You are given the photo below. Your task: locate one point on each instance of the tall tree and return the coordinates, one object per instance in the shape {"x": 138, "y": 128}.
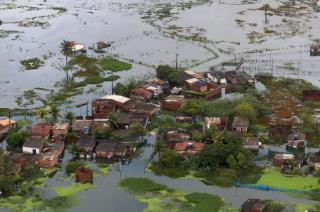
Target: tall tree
{"x": 7, "y": 167}
{"x": 69, "y": 116}
{"x": 54, "y": 112}
{"x": 113, "y": 121}
{"x": 43, "y": 114}
{"x": 167, "y": 73}
{"x": 67, "y": 52}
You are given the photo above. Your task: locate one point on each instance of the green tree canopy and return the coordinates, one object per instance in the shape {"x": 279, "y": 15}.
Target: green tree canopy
{"x": 167, "y": 73}
{"x": 246, "y": 110}
{"x": 169, "y": 158}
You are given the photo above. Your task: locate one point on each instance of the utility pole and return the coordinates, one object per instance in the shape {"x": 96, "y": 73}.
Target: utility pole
{"x": 177, "y": 56}
{"x": 9, "y": 116}
{"x": 266, "y": 13}
{"x": 87, "y": 108}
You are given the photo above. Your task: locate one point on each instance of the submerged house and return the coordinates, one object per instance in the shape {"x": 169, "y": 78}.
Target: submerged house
{"x": 102, "y": 107}
{"x": 297, "y": 140}
{"x": 137, "y": 106}
{"x": 240, "y": 125}
{"x": 59, "y": 131}
{"x": 314, "y": 161}
{"x": 280, "y": 159}
{"x": 83, "y": 175}
{"x": 188, "y": 147}
{"x": 315, "y": 49}
{"x": 87, "y": 143}
{"x": 42, "y": 129}
{"x": 145, "y": 93}
{"x": 77, "y": 47}
{"x": 177, "y": 134}
{"x": 196, "y": 85}
{"x": 126, "y": 119}
{"x": 252, "y": 143}
{"x": 254, "y": 205}
{"x": 182, "y": 117}
{"x": 106, "y": 148}
{"x": 220, "y": 123}
{"x": 82, "y": 126}
{"x": 33, "y": 145}
{"x": 311, "y": 95}
{"x": 172, "y": 102}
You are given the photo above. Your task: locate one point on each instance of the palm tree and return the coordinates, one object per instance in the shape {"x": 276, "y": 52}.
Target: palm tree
{"x": 70, "y": 117}
{"x": 67, "y": 52}
{"x": 158, "y": 149}
{"x": 113, "y": 121}
{"x": 218, "y": 137}
{"x": 54, "y": 112}
{"x": 43, "y": 114}
{"x": 137, "y": 130}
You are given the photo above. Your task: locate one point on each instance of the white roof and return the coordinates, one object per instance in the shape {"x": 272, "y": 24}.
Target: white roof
{"x": 77, "y": 47}
{"x": 192, "y": 80}
{"x": 116, "y": 98}
{"x": 60, "y": 126}
{"x": 151, "y": 88}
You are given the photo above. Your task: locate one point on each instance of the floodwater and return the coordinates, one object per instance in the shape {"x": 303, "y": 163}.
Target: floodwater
{"x": 107, "y": 196}
{"x": 146, "y": 42}
{"x": 149, "y": 41}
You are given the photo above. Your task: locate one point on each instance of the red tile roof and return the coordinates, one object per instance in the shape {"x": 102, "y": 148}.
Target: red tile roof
{"x": 195, "y": 146}
{"x": 41, "y": 129}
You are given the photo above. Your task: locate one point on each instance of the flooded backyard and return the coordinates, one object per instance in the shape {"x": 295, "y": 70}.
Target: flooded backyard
{"x": 197, "y": 34}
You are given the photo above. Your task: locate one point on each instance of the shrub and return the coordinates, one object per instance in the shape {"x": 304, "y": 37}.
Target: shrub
{"x": 73, "y": 165}
{"x": 141, "y": 185}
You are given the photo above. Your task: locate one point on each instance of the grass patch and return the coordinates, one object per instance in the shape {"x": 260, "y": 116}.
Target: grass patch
{"x": 224, "y": 178}
{"x": 72, "y": 189}
{"x": 105, "y": 168}
{"x": 161, "y": 198}
{"x": 273, "y": 177}
{"x": 20, "y": 203}
{"x": 33, "y": 63}
{"x": 61, "y": 203}
{"x": 167, "y": 171}
{"x": 114, "y": 65}
{"x": 141, "y": 185}
{"x": 203, "y": 202}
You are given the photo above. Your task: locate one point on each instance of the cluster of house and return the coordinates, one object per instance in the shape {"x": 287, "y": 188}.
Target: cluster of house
{"x": 45, "y": 145}
{"x": 77, "y": 47}
{"x": 288, "y": 161}
{"x": 212, "y": 84}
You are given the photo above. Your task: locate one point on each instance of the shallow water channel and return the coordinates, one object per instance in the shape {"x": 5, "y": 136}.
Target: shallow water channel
{"x": 106, "y": 196}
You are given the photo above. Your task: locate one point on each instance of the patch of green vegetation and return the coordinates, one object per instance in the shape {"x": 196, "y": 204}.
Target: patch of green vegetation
{"x": 61, "y": 203}
{"x": 24, "y": 122}
{"x": 273, "y": 177}
{"x": 72, "y": 189}
{"x": 141, "y": 185}
{"x": 161, "y": 198}
{"x": 105, "y": 168}
{"x": 172, "y": 172}
{"x": 73, "y": 165}
{"x": 33, "y": 63}
{"x": 199, "y": 202}
{"x": 224, "y": 178}
{"x": 114, "y": 65}
{"x": 20, "y": 203}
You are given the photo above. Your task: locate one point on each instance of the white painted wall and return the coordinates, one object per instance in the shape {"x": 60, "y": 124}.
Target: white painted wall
{"x": 28, "y": 150}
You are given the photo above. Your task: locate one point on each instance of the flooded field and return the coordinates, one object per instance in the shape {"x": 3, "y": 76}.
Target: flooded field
{"x": 199, "y": 34}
